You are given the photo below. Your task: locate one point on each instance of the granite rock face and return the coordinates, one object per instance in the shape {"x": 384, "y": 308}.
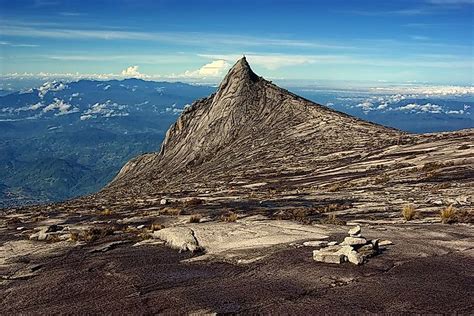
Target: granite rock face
{"x": 248, "y": 124}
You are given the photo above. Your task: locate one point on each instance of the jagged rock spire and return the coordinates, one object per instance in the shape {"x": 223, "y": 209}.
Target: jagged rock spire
{"x": 238, "y": 77}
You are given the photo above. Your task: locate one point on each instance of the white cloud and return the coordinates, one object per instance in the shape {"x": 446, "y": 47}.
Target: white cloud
{"x": 106, "y": 109}
{"x": 427, "y": 108}
{"x": 38, "y": 30}
{"x": 36, "y": 106}
{"x": 455, "y": 112}
{"x": 215, "y": 68}
{"x": 50, "y": 86}
{"x": 366, "y": 106}
{"x": 62, "y": 107}
{"x": 133, "y": 72}
{"x": 417, "y": 91}
{"x": 17, "y": 45}
{"x": 419, "y": 38}
{"x": 271, "y": 61}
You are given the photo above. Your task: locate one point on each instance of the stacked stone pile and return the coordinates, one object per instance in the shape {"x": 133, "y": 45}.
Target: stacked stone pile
{"x": 355, "y": 249}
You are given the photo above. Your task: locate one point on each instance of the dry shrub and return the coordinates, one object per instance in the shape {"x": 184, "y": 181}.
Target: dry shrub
{"x": 229, "y": 217}
{"x": 333, "y": 220}
{"x": 39, "y": 218}
{"x": 409, "y": 212}
{"x": 301, "y": 214}
{"x": 382, "y": 179}
{"x": 171, "y": 211}
{"x": 144, "y": 235}
{"x": 193, "y": 202}
{"x": 432, "y": 174}
{"x": 91, "y": 234}
{"x": 435, "y": 188}
{"x": 54, "y": 238}
{"x": 431, "y": 166}
{"x": 333, "y": 207}
{"x": 448, "y": 215}
{"x": 336, "y": 187}
{"x": 157, "y": 226}
{"x": 196, "y": 218}
{"x": 106, "y": 212}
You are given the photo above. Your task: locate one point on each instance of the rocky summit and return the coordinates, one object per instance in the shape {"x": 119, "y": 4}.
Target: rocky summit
{"x": 254, "y": 195}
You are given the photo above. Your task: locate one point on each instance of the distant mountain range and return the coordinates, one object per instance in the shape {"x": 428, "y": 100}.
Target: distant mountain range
{"x": 65, "y": 139}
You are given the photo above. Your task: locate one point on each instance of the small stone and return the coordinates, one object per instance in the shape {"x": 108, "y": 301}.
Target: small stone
{"x": 42, "y": 236}
{"x": 355, "y": 258}
{"x": 315, "y": 243}
{"x": 328, "y": 257}
{"x": 20, "y": 228}
{"x": 345, "y": 250}
{"x": 353, "y": 241}
{"x": 367, "y": 247}
{"x": 355, "y": 230}
{"x": 332, "y": 243}
{"x": 140, "y": 226}
{"x": 163, "y": 201}
{"x": 385, "y": 243}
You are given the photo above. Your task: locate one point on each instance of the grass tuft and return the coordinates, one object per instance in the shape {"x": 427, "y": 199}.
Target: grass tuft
{"x": 229, "y": 217}
{"x": 196, "y": 218}
{"x": 156, "y": 226}
{"x": 171, "y": 211}
{"x": 332, "y": 220}
{"x": 193, "y": 202}
{"x": 106, "y": 212}
{"x": 448, "y": 215}
{"x": 409, "y": 212}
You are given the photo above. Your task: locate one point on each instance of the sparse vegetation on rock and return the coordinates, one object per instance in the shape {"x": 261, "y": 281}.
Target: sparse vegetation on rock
{"x": 172, "y": 211}
{"x": 409, "y": 212}
{"x": 448, "y": 215}
{"x": 332, "y": 219}
{"x": 229, "y": 217}
{"x": 196, "y": 218}
{"x": 193, "y": 202}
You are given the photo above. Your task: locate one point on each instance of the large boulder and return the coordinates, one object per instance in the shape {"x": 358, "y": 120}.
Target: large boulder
{"x": 181, "y": 238}
{"x": 328, "y": 256}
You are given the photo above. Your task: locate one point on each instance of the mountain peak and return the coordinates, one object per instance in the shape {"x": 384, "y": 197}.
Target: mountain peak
{"x": 248, "y": 124}
{"x": 239, "y": 78}
{"x": 241, "y": 65}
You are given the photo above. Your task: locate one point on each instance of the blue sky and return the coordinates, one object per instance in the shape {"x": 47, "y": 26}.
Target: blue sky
{"x": 374, "y": 40}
